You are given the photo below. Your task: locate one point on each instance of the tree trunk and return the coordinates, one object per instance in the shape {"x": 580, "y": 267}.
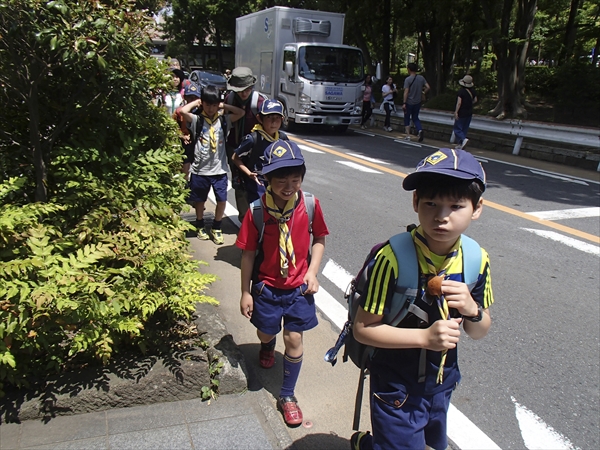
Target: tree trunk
{"x": 39, "y": 161}
{"x": 570, "y": 32}
{"x": 219, "y": 50}
{"x": 511, "y": 54}
{"x": 387, "y": 21}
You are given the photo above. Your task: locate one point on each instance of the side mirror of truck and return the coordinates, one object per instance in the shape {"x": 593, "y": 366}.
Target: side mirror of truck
{"x": 289, "y": 69}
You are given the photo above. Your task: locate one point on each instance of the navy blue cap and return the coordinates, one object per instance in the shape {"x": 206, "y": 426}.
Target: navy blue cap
{"x": 191, "y": 89}
{"x": 281, "y": 154}
{"x": 271, "y": 107}
{"x": 451, "y": 162}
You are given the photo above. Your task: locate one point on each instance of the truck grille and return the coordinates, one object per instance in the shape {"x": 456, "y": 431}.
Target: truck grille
{"x": 331, "y": 107}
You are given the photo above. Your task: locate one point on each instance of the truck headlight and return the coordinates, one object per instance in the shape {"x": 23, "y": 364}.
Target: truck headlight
{"x": 304, "y": 103}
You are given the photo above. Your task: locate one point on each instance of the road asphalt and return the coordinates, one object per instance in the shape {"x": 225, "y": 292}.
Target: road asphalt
{"x": 249, "y": 420}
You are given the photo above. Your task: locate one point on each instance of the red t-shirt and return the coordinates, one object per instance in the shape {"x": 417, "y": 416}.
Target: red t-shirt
{"x": 269, "y": 270}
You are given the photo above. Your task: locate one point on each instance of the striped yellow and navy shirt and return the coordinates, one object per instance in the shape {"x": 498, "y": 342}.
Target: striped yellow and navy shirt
{"x": 404, "y": 363}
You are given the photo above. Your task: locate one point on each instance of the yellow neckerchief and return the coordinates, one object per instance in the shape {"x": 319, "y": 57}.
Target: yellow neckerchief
{"x": 211, "y": 130}
{"x": 421, "y": 244}
{"x": 258, "y": 127}
{"x": 286, "y": 247}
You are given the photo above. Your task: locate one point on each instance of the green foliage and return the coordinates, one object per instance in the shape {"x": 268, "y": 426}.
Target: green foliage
{"x": 88, "y": 272}
{"x": 214, "y": 369}
{"x": 540, "y": 80}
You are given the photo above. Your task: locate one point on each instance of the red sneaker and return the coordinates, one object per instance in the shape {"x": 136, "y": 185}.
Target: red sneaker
{"x": 266, "y": 358}
{"x": 292, "y": 414}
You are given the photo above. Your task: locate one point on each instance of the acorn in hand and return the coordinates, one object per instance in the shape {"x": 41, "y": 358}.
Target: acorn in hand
{"x": 434, "y": 285}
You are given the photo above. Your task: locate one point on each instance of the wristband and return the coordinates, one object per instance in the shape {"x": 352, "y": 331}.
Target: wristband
{"x": 476, "y": 318}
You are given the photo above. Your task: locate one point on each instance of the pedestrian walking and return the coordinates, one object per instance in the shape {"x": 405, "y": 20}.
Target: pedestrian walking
{"x": 367, "y": 108}
{"x": 389, "y": 92}
{"x": 463, "y": 112}
{"x": 415, "y": 86}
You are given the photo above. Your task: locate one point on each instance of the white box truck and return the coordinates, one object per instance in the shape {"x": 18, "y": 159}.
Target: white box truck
{"x": 299, "y": 59}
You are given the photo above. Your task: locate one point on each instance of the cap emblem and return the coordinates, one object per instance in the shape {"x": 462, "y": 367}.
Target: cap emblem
{"x": 435, "y": 158}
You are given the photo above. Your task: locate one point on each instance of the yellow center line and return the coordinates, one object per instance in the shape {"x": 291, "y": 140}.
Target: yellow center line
{"x": 497, "y": 206}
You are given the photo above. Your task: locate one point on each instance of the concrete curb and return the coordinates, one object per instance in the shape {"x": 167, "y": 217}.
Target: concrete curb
{"x": 135, "y": 380}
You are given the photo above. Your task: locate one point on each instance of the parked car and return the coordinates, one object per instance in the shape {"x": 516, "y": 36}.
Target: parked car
{"x": 207, "y": 77}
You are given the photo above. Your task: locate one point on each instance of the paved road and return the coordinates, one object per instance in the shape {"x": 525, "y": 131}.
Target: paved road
{"x": 533, "y": 382}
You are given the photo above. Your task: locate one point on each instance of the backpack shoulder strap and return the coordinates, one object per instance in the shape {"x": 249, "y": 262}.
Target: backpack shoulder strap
{"x": 283, "y": 136}
{"x": 256, "y": 207}
{"x": 198, "y": 128}
{"x": 471, "y": 260}
{"x": 407, "y": 283}
{"x": 254, "y": 102}
{"x": 309, "y": 204}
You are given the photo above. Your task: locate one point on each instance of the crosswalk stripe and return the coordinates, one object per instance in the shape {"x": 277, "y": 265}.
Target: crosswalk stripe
{"x": 360, "y": 167}
{"x": 577, "y": 244}
{"x": 575, "y": 213}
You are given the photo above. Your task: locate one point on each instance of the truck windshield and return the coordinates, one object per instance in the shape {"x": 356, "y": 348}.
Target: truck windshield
{"x": 341, "y": 65}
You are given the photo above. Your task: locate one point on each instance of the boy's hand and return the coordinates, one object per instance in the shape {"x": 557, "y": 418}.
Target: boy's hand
{"x": 246, "y": 304}
{"x": 254, "y": 176}
{"x": 443, "y": 335}
{"x": 312, "y": 283}
{"x": 458, "y": 297}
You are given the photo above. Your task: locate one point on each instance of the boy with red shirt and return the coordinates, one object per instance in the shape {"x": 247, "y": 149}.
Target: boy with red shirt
{"x": 287, "y": 268}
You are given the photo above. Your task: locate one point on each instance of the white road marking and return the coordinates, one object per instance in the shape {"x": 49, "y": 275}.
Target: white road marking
{"x": 402, "y": 141}
{"x": 559, "y": 177}
{"x": 367, "y": 158}
{"x": 364, "y": 132}
{"x": 309, "y": 149}
{"x": 360, "y": 167}
{"x": 579, "y": 245}
{"x": 575, "y": 213}
{"x": 230, "y": 210}
{"x": 317, "y": 142}
{"x": 331, "y": 308}
{"x": 536, "y": 434}
{"x": 465, "y": 433}
{"x": 337, "y": 275}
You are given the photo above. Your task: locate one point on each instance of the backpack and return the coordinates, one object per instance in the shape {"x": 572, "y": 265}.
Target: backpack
{"x": 402, "y": 303}
{"x": 253, "y": 157}
{"x": 256, "y": 208}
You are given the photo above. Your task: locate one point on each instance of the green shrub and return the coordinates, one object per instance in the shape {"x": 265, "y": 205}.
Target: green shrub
{"x": 100, "y": 260}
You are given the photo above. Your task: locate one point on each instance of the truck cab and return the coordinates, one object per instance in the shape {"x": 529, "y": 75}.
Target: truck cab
{"x": 321, "y": 81}
{"x": 300, "y": 59}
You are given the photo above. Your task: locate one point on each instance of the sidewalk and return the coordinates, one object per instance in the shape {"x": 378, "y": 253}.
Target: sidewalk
{"x": 233, "y": 421}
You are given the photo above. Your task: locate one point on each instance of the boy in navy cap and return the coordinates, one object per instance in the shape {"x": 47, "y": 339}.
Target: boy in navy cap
{"x": 247, "y": 157}
{"x": 410, "y": 395}
{"x": 286, "y": 267}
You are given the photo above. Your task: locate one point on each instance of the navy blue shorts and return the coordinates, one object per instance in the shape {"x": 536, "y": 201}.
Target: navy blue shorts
{"x": 200, "y": 187}
{"x": 404, "y": 421}
{"x": 296, "y": 308}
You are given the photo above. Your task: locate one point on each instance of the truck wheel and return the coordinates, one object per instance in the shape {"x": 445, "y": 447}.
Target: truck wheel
{"x": 340, "y": 128}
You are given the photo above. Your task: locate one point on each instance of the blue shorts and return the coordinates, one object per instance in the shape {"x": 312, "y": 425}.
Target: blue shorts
{"x": 271, "y": 305}
{"x": 200, "y": 187}
{"x": 404, "y": 421}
